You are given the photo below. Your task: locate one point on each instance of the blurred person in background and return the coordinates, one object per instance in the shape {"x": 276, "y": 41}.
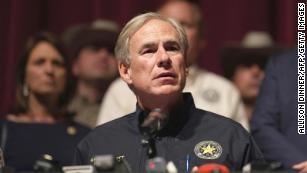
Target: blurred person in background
{"x": 274, "y": 123}
{"x": 91, "y": 48}
{"x": 244, "y": 63}
{"x": 210, "y": 91}
{"x": 39, "y": 124}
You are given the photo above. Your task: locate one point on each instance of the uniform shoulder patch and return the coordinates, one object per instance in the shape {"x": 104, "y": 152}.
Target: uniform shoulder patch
{"x": 208, "y": 150}
{"x": 211, "y": 95}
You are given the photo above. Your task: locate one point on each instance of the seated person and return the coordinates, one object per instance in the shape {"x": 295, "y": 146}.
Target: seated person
{"x": 152, "y": 55}
{"x": 93, "y": 65}
{"x": 39, "y": 125}
{"x": 210, "y": 91}
{"x": 244, "y": 63}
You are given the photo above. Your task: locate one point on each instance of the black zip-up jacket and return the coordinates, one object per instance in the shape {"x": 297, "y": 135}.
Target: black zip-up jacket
{"x": 192, "y": 137}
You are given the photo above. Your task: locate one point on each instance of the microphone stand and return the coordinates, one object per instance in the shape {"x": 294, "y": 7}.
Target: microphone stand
{"x": 151, "y": 126}
{"x": 148, "y": 142}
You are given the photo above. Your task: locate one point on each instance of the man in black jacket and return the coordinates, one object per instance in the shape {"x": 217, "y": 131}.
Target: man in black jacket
{"x": 151, "y": 50}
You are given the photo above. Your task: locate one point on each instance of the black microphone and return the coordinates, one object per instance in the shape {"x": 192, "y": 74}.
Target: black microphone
{"x": 152, "y": 124}
{"x": 102, "y": 164}
{"x": 3, "y": 168}
{"x": 2, "y": 163}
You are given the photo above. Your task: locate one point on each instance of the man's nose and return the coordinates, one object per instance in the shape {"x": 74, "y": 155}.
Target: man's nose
{"x": 164, "y": 59}
{"x": 257, "y": 71}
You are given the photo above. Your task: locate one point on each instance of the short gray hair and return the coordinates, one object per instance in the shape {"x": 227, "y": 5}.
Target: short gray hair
{"x": 122, "y": 45}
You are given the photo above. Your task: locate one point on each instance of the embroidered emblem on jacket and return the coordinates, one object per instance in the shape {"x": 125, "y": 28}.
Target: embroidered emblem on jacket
{"x": 208, "y": 150}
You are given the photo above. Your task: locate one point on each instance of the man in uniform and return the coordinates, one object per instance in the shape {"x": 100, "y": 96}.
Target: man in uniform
{"x": 152, "y": 56}
{"x": 210, "y": 91}
{"x": 244, "y": 63}
{"x": 94, "y": 66}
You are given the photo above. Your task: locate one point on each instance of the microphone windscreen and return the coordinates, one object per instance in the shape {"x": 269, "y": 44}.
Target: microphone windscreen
{"x": 104, "y": 162}
{"x": 155, "y": 120}
{"x": 46, "y": 163}
{"x": 213, "y": 168}
{"x": 156, "y": 165}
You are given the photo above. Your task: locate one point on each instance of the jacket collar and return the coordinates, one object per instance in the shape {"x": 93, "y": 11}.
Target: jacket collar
{"x": 177, "y": 118}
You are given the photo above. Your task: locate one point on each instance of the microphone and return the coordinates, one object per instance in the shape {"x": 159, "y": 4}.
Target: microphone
{"x": 3, "y": 168}
{"x": 159, "y": 165}
{"x": 2, "y": 164}
{"x": 103, "y": 164}
{"x": 46, "y": 163}
{"x": 156, "y": 165}
{"x": 152, "y": 124}
{"x": 212, "y": 168}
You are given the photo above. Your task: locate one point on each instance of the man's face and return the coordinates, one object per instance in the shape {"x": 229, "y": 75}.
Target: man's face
{"x": 185, "y": 14}
{"x": 157, "y": 66}
{"x": 95, "y": 64}
{"x": 248, "y": 80}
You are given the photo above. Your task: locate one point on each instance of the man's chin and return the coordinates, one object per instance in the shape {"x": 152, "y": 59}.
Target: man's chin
{"x": 168, "y": 90}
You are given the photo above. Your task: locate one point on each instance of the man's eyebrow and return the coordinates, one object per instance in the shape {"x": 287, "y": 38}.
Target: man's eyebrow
{"x": 172, "y": 42}
{"x": 147, "y": 45}
{"x": 169, "y": 42}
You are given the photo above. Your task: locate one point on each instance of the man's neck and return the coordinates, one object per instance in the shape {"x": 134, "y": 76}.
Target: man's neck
{"x": 165, "y": 103}
{"x": 248, "y": 110}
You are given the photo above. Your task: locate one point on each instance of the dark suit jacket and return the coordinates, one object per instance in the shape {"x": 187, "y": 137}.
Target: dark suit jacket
{"x": 274, "y": 123}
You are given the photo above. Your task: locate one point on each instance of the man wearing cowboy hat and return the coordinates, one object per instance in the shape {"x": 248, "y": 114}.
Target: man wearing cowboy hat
{"x": 91, "y": 49}
{"x": 244, "y": 63}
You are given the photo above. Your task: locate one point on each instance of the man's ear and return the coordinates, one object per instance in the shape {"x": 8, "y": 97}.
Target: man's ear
{"x": 125, "y": 72}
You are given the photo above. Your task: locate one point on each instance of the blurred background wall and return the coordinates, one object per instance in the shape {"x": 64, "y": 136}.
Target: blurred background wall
{"x": 226, "y": 20}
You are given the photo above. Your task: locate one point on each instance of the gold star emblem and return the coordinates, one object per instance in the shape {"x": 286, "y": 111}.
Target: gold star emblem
{"x": 208, "y": 149}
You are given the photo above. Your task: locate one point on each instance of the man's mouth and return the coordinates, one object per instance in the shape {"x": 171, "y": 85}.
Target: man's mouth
{"x": 166, "y": 74}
